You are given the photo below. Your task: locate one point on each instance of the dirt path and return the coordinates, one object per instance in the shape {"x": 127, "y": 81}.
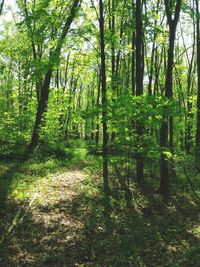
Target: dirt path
{"x": 50, "y": 233}
{"x": 66, "y": 226}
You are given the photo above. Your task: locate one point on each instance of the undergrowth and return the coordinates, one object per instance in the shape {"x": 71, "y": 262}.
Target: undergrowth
{"x": 147, "y": 231}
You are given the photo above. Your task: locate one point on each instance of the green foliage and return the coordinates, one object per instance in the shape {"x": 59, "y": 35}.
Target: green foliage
{"x": 132, "y": 226}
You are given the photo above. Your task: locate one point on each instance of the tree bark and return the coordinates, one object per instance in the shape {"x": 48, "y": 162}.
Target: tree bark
{"x": 104, "y": 99}
{"x": 139, "y": 84}
{"x": 53, "y": 60}
{"x": 167, "y": 124}
{"x": 97, "y": 103}
{"x": 198, "y": 89}
{"x": 1, "y": 6}
{"x": 42, "y": 107}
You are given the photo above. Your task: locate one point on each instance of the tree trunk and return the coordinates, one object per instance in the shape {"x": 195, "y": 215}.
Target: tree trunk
{"x": 167, "y": 123}
{"x": 42, "y": 107}
{"x": 97, "y": 103}
{"x": 54, "y": 56}
{"x": 104, "y": 99}
{"x": 139, "y": 84}
{"x": 198, "y": 90}
{"x": 1, "y": 6}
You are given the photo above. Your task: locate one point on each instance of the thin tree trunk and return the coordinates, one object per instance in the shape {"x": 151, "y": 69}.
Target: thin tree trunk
{"x": 104, "y": 99}
{"x": 139, "y": 84}
{"x": 1, "y": 6}
{"x": 97, "y": 103}
{"x": 198, "y": 89}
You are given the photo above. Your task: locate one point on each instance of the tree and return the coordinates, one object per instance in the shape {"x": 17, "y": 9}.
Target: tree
{"x": 53, "y": 60}
{"x": 139, "y": 83}
{"x": 104, "y": 98}
{"x": 167, "y": 123}
{"x": 198, "y": 88}
{"x": 1, "y": 6}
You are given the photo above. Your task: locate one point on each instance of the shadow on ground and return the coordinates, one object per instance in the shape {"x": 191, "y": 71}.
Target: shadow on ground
{"x": 72, "y": 232}
{"x": 6, "y": 176}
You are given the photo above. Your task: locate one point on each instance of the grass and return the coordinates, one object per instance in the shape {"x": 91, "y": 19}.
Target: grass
{"x": 69, "y": 224}
{"x": 17, "y": 178}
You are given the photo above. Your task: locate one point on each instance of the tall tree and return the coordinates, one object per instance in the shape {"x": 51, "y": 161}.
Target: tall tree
{"x": 139, "y": 82}
{"x": 104, "y": 97}
{"x": 198, "y": 88}
{"x": 167, "y": 124}
{"x": 53, "y": 60}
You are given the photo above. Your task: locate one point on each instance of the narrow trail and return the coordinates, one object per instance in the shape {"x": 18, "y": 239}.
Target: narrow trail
{"x": 50, "y": 233}
{"x": 61, "y": 224}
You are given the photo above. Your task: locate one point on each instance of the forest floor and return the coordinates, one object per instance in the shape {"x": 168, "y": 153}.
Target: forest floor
{"x": 53, "y": 215}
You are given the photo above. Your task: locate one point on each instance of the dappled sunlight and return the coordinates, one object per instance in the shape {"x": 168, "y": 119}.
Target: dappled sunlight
{"x": 66, "y": 226}
{"x": 47, "y": 231}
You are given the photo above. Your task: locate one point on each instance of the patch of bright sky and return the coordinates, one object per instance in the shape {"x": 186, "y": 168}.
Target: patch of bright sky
{"x": 8, "y": 9}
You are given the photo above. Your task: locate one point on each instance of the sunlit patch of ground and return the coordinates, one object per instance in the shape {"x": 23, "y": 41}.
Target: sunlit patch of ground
{"x": 47, "y": 234}
{"x": 62, "y": 223}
